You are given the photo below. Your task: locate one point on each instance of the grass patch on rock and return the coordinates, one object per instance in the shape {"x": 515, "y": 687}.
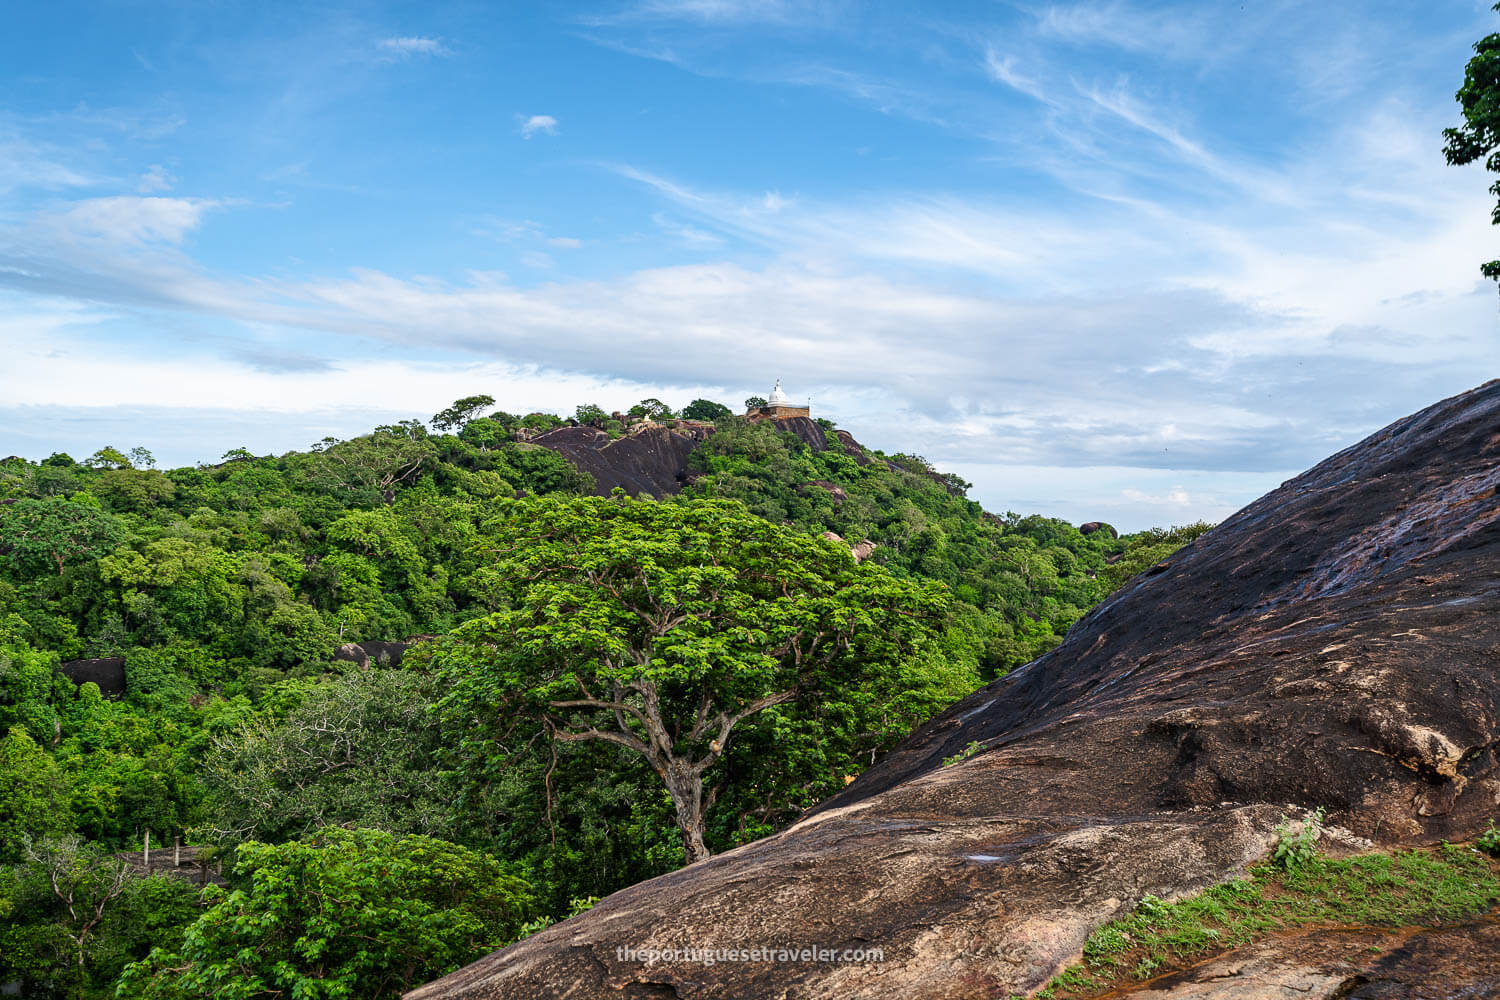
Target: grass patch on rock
{"x": 1404, "y": 889}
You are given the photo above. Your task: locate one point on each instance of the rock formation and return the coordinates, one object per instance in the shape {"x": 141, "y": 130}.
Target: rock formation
{"x": 107, "y": 671}
{"x": 859, "y": 550}
{"x": 653, "y": 458}
{"x": 1336, "y": 643}
{"x": 377, "y": 651}
{"x": 807, "y": 429}
{"x": 853, "y": 448}
{"x": 832, "y": 489}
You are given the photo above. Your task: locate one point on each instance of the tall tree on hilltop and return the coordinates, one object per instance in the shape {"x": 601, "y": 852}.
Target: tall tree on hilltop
{"x": 705, "y": 409}
{"x": 461, "y": 412}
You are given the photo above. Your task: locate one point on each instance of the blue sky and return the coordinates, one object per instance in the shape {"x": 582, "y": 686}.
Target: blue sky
{"x": 1138, "y": 262}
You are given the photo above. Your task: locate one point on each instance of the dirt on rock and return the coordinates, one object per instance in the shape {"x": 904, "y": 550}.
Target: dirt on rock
{"x": 1344, "y": 964}
{"x": 1336, "y": 644}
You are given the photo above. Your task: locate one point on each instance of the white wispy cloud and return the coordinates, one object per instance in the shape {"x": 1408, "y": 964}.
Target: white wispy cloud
{"x": 27, "y": 164}
{"x": 156, "y": 178}
{"x": 1003, "y": 69}
{"x": 723, "y": 12}
{"x": 412, "y": 45}
{"x": 1186, "y": 31}
{"x": 688, "y": 236}
{"x": 531, "y": 125}
{"x": 129, "y": 221}
{"x": 521, "y": 231}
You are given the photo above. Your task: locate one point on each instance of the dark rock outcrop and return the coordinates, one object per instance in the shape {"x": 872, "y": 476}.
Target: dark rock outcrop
{"x": 853, "y": 448}
{"x": 1089, "y": 527}
{"x": 833, "y": 489}
{"x": 651, "y": 459}
{"x": 107, "y": 671}
{"x": 377, "y": 651}
{"x": 806, "y": 429}
{"x": 1336, "y": 643}
{"x": 859, "y": 550}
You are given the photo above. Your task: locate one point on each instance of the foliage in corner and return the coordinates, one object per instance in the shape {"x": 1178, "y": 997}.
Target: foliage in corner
{"x": 1479, "y": 135}
{"x": 343, "y": 915}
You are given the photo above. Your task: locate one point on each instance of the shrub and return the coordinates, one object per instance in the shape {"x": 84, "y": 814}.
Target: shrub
{"x": 1297, "y": 844}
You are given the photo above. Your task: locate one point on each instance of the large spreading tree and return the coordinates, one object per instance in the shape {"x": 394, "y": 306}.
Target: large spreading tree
{"x": 661, "y": 627}
{"x": 47, "y": 533}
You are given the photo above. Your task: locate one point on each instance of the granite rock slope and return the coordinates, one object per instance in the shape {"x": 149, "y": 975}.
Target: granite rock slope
{"x": 653, "y": 458}
{"x": 1336, "y": 644}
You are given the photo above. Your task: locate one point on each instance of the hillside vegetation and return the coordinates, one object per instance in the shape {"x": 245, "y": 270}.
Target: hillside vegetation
{"x": 595, "y": 705}
{"x": 1018, "y": 583}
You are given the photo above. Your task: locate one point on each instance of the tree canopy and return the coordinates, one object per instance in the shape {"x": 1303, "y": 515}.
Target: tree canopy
{"x": 705, "y": 409}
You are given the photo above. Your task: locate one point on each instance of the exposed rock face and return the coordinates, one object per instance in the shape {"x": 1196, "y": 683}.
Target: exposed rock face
{"x": 859, "y": 550}
{"x": 376, "y": 651}
{"x": 805, "y": 428}
{"x": 853, "y": 448}
{"x": 108, "y": 672}
{"x": 833, "y": 489}
{"x": 1089, "y": 527}
{"x": 652, "y": 459}
{"x": 1336, "y": 643}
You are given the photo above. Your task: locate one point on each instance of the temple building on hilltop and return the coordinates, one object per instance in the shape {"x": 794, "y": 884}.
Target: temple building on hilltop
{"x": 778, "y": 407}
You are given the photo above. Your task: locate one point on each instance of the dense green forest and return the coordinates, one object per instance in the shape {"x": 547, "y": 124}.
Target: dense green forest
{"x": 608, "y": 687}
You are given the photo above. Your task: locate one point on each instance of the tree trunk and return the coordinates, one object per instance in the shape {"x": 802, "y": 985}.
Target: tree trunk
{"x": 686, "y": 788}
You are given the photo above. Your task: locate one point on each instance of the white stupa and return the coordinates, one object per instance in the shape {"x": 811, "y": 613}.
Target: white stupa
{"x": 778, "y": 406}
